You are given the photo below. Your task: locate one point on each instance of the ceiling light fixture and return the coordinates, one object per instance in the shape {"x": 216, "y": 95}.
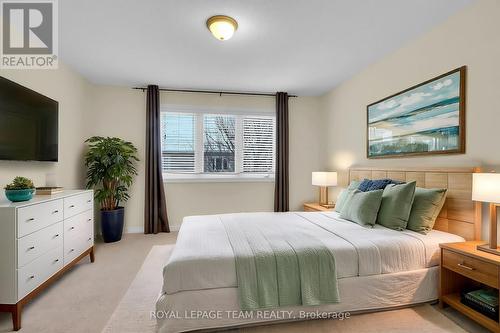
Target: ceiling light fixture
{"x": 222, "y": 26}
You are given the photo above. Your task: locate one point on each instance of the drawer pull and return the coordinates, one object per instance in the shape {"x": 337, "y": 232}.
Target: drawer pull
{"x": 71, "y": 250}
{"x": 56, "y": 235}
{"x": 55, "y": 212}
{"x": 71, "y": 206}
{"x": 89, "y": 201}
{"x": 466, "y": 267}
{"x": 72, "y": 228}
{"x": 31, "y": 219}
{"x": 89, "y": 220}
{"x": 90, "y": 239}
{"x": 31, "y": 248}
{"x": 57, "y": 260}
{"x": 32, "y": 277}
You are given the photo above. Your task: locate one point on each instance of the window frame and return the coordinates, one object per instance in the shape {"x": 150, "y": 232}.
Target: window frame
{"x": 238, "y": 175}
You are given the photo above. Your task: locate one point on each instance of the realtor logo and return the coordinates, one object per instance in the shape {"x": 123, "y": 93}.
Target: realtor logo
{"x": 29, "y": 34}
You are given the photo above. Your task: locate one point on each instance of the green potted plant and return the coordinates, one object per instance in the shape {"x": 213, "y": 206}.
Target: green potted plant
{"x": 21, "y": 189}
{"x": 110, "y": 166}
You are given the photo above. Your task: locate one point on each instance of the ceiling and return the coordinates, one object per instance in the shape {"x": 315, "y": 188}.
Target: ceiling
{"x": 305, "y": 47}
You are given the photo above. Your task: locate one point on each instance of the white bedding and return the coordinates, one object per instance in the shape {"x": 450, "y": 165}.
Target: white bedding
{"x": 203, "y": 257}
{"x": 358, "y": 294}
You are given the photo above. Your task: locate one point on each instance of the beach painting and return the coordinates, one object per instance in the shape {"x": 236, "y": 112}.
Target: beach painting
{"x": 425, "y": 119}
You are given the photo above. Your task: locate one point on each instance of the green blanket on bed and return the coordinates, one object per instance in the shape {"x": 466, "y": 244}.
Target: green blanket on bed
{"x": 279, "y": 262}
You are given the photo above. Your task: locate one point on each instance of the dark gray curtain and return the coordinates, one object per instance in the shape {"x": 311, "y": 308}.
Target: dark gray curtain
{"x": 281, "y": 188}
{"x": 155, "y": 207}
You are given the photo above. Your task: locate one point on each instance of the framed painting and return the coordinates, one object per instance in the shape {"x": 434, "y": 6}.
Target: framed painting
{"x": 428, "y": 118}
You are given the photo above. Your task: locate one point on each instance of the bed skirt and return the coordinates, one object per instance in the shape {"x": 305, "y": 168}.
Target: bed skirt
{"x": 219, "y": 308}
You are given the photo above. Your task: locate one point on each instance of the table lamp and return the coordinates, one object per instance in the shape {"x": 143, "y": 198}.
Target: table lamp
{"x": 324, "y": 180}
{"x": 486, "y": 188}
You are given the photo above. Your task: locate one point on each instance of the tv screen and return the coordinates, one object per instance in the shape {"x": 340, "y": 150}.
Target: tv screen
{"x": 28, "y": 124}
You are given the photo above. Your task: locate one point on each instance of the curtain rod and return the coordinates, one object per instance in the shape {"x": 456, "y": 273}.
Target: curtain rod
{"x": 214, "y": 92}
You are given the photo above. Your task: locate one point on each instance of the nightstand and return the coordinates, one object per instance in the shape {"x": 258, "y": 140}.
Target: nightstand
{"x": 315, "y": 207}
{"x": 462, "y": 267}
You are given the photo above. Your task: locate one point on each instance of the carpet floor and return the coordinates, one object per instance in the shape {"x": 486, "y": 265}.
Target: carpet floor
{"x": 111, "y": 296}
{"x": 84, "y": 298}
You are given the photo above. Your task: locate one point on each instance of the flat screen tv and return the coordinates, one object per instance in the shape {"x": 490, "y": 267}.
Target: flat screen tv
{"x": 28, "y": 124}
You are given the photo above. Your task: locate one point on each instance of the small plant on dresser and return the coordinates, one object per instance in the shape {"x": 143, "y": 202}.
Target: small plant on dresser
{"x": 21, "y": 189}
{"x": 111, "y": 167}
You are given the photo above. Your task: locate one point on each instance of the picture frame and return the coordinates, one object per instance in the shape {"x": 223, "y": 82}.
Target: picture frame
{"x": 425, "y": 119}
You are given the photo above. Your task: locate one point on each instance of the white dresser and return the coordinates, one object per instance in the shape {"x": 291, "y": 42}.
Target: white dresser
{"x": 39, "y": 240}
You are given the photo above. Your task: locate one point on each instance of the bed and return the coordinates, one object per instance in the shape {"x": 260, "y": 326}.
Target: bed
{"x": 376, "y": 268}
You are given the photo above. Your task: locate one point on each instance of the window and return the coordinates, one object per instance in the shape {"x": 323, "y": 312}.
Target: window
{"x": 177, "y": 133}
{"x": 217, "y": 145}
{"x": 258, "y": 144}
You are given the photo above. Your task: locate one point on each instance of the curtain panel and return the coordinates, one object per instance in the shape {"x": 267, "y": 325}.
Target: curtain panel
{"x": 281, "y": 188}
{"x": 155, "y": 205}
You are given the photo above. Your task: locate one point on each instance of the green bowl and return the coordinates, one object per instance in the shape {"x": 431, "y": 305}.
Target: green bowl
{"x": 19, "y": 195}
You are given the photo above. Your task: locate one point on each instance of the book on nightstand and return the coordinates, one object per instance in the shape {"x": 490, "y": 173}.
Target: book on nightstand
{"x": 483, "y": 300}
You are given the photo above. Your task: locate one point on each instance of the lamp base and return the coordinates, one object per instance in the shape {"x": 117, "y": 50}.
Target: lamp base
{"x": 327, "y": 205}
{"x": 486, "y": 248}
{"x": 492, "y": 246}
{"x": 323, "y": 196}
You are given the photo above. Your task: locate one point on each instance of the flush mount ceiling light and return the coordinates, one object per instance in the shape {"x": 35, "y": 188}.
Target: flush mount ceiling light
{"x": 222, "y": 27}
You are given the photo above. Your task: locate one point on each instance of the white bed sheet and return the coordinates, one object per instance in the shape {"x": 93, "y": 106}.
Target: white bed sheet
{"x": 203, "y": 257}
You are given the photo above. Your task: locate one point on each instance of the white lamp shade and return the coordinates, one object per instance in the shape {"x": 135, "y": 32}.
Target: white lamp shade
{"x": 324, "y": 178}
{"x": 486, "y": 187}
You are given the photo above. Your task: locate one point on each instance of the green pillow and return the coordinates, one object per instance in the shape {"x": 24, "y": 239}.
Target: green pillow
{"x": 343, "y": 195}
{"x": 426, "y": 208}
{"x": 397, "y": 201}
{"x": 362, "y": 207}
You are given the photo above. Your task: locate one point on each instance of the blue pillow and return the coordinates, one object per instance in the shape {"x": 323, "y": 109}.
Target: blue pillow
{"x": 377, "y": 184}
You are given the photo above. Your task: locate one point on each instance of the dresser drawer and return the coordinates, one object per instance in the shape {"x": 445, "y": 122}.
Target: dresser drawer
{"x": 77, "y": 204}
{"x": 78, "y": 235}
{"x": 38, "y": 271}
{"x": 74, "y": 247}
{"x": 475, "y": 269}
{"x": 39, "y": 216}
{"x": 33, "y": 245}
{"x": 78, "y": 225}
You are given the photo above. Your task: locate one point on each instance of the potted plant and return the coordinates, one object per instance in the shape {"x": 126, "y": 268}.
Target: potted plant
{"x": 110, "y": 166}
{"x": 21, "y": 189}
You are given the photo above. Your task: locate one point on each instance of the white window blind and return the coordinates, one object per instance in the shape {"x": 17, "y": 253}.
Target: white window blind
{"x": 178, "y": 145}
{"x": 201, "y": 144}
{"x": 258, "y": 144}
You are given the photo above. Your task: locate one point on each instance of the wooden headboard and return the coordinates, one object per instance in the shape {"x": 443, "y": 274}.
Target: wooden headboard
{"x": 460, "y": 215}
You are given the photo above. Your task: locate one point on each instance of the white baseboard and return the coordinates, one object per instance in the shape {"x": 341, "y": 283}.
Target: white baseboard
{"x": 140, "y": 230}
{"x": 175, "y": 227}
{"x": 134, "y": 230}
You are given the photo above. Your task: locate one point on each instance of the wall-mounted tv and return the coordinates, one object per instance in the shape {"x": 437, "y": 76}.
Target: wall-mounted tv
{"x": 28, "y": 124}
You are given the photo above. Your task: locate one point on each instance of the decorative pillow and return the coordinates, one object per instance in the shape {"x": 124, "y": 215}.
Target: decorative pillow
{"x": 376, "y": 184}
{"x": 426, "y": 208}
{"x": 343, "y": 195}
{"x": 362, "y": 207}
{"x": 397, "y": 201}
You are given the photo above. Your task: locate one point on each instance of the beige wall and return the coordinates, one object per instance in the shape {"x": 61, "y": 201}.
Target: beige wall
{"x": 468, "y": 38}
{"x": 325, "y": 133}
{"x": 121, "y": 112}
{"x": 72, "y": 93}
{"x": 86, "y": 110}
{"x": 118, "y": 111}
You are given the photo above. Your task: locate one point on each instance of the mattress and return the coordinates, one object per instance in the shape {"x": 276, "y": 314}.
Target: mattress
{"x": 203, "y": 258}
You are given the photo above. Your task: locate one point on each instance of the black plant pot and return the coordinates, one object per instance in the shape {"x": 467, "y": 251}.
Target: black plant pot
{"x": 112, "y": 224}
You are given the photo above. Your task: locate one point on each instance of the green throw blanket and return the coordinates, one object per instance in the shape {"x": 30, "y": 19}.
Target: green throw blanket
{"x": 279, "y": 261}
